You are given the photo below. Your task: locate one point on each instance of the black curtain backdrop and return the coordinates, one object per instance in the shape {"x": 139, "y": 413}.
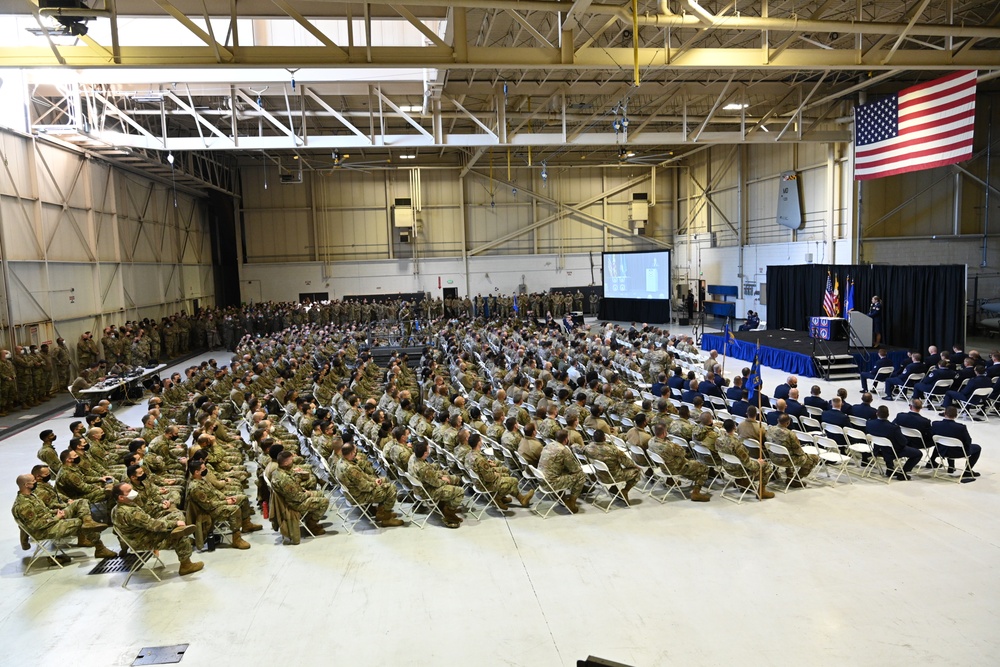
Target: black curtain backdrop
{"x": 651, "y": 311}
{"x": 921, "y": 305}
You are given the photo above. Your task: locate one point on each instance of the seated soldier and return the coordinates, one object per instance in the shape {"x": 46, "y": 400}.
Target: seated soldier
{"x": 45, "y": 523}
{"x": 530, "y": 447}
{"x": 562, "y": 469}
{"x": 495, "y": 477}
{"x": 365, "y": 488}
{"x": 620, "y": 465}
{"x": 312, "y": 504}
{"x": 442, "y": 488}
{"x": 781, "y": 434}
{"x": 675, "y": 462}
{"x": 760, "y": 471}
{"x": 144, "y": 532}
{"x": 638, "y": 435}
{"x": 233, "y": 509}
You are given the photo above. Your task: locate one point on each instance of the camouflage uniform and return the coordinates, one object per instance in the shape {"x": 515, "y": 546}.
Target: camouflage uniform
{"x": 43, "y": 524}
{"x": 25, "y": 382}
{"x": 621, "y": 467}
{"x": 430, "y": 475}
{"x": 731, "y": 444}
{"x": 494, "y": 477}
{"x": 364, "y": 487}
{"x": 311, "y": 504}
{"x": 561, "y": 468}
{"x": 784, "y": 437}
{"x": 144, "y": 532}
{"x": 60, "y": 368}
{"x": 213, "y": 502}
{"x": 8, "y": 386}
{"x": 676, "y": 462}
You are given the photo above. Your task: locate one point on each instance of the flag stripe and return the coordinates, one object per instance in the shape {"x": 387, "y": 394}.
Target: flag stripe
{"x": 927, "y": 125}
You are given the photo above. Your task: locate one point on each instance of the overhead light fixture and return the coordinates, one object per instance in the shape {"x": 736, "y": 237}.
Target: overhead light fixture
{"x": 408, "y": 156}
{"x": 735, "y": 106}
{"x": 411, "y": 108}
{"x": 148, "y": 98}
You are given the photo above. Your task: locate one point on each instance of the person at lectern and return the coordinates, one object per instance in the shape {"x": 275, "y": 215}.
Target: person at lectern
{"x": 875, "y": 312}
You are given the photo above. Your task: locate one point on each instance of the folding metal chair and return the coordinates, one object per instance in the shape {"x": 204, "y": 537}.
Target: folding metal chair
{"x": 782, "y": 458}
{"x": 661, "y": 475}
{"x": 143, "y": 558}
{"x": 830, "y": 457}
{"x": 733, "y": 479}
{"x": 638, "y": 456}
{"x": 46, "y": 548}
{"x": 422, "y": 498}
{"x": 350, "y": 505}
{"x": 950, "y": 448}
{"x": 976, "y": 405}
{"x": 904, "y": 390}
{"x": 601, "y": 478}
{"x": 881, "y": 375}
{"x": 859, "y": 447}
{"x": 914, "y": 434}
{"x": 544, "y": 490}
{"x": 935, "y": 396}
{"x": 879, "y": 444}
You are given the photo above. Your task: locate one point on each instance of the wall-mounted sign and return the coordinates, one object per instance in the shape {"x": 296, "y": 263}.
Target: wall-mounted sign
{"x": 789, "y": 201}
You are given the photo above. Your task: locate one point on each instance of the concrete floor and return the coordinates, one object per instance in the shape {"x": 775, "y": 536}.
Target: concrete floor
{"x": 863, "y": 573}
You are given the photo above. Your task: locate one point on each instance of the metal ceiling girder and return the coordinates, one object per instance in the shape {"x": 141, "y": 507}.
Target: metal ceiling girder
{"x": 563, "y": 210}
{"x": 547, "y": 139}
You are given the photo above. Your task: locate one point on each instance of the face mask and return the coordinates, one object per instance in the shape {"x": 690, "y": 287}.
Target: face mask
{"x": 132, "y": 495}
{"x": 46, "y": 479}
{"x": 86, "y": 447}
{"x": 142, "y": 477}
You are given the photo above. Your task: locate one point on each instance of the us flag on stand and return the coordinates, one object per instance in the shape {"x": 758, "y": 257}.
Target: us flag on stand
{"x": 928, "y": 125}
{"x": 831, "y": 304}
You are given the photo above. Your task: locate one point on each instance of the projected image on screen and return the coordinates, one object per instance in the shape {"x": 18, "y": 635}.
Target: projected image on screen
{"x": 637, "y": 275}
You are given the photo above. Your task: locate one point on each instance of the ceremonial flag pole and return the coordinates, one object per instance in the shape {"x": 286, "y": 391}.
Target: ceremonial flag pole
{"x": 755, "y": 382}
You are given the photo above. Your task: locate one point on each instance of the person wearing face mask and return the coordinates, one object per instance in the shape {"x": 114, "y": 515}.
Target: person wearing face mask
{"x": 170, "y": 448}
{"x": 233, "y": 509}
{"x": 8, "y": 383}
{"x": 152, "y": 498}
{"x": 74, "y": 483}
{"x": 60, "y": 366}
{"x": 44, "y": 523}
{"x": 143, "y": 531}
{"x": 312, "y": 504}
{"x": 48, "y": 454}
{"x": 25, "y": 384}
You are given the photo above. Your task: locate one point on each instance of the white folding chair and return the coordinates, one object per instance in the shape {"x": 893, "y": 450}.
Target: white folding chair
{"x": 143, "y": 558}
{"x": 976, "y": 405}
{"x": 950, "y": 448}
{"x": 914, "y": 434}
{"x": 860, "y": 449}
{"x": 879, "y": 445}
{"x": 601, "y": 479}
{"x": 46, "y": 548}
{"x": 934, "y": 397}
{"x": 732, "y": 480}
{"x": 661, "y": 475}
{"x": 545, "y": 490}
{"x": 782, "y": 458}
{"x": 830, "y": 457}
{"x": 422, "y": 498}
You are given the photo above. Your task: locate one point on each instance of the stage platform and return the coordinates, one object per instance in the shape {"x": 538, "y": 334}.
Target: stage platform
{"x": 790, "y": 351}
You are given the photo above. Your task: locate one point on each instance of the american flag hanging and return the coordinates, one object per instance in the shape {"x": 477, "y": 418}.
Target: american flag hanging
{"x": 830, "y": 298}
{"x": 924, "y": 126}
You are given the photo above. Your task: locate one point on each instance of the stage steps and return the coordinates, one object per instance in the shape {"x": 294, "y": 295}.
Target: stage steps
{"x": 837, "y": 367}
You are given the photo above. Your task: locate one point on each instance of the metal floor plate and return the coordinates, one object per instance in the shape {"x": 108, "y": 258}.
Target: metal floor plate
{"x": 160, "y": 655}
{"x": 114, "y": 565}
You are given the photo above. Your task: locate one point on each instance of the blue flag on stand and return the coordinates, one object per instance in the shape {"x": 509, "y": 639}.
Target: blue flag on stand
{"x": 754, "y": 381}
{"x": 849, "y": 301}
{"x": 515, "y": 304}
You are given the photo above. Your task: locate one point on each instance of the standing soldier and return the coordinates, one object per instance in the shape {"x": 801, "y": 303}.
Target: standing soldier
{"x": 25, "y": 383}
{"x": 60, "y": 366}
{"x": 86, "y": 350}
{"x": 8, "y": 383}
{"x": 594, "y": 303}
{"x": 41, "y": 372}
{"x": 578, "y": 301}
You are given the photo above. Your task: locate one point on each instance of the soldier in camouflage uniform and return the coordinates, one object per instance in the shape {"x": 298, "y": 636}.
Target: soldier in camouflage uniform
{"x": 234, "y": 509}
{"x": 562, "y": 469}
{"x": 86, "y": 350}
{"x": 730, "y": 443}
{"x": 47, "y": 454}
{"x": 44, "y": 523}
{"x": 60, "y": 366}
{"x": 365, "y": 488}
{"x": 681, "y": 427}
{"x": 782, "y": 435}
{"x": 25, "y": 381}
{"x": 142, "y": 531}
{"x": 676, "y": 462}
{"x": 495, "y": 478}
{"x": 311, "y": 504}
{"x": 8, "y": 383}
{"x": 439, "y": 486}
{"x": 620, "y": 465}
